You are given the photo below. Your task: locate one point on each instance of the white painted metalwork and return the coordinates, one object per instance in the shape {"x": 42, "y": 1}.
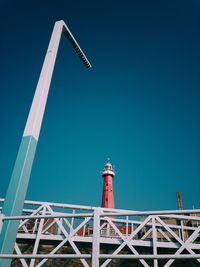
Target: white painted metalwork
{"x": 96, "y": 237}
{"x": 36, "y": 113}
{"x": 81, "y": 233}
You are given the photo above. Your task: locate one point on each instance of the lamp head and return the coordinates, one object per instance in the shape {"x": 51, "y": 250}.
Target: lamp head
{"x": 76, "y": 46}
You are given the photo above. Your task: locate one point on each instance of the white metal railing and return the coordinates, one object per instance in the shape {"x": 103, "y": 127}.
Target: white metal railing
{"x": 56, "y": 224}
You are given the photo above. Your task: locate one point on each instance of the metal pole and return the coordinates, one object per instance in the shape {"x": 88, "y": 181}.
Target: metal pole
{"x": 154, "y": 236}
{"x": 95, "y": 239}
{"x": 17, "y": 189}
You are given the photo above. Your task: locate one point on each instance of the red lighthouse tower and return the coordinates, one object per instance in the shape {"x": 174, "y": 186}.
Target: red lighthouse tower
{"x": 108, "y": 195}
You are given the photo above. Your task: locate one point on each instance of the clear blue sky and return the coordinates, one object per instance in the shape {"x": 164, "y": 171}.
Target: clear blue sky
{"x": 138, "y": 105}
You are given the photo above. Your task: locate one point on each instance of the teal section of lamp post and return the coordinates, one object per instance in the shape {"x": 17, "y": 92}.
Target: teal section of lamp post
{"x": 16, "y": 194}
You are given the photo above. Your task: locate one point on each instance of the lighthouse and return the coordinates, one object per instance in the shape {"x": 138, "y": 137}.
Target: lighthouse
{"x": 108, "y": 195}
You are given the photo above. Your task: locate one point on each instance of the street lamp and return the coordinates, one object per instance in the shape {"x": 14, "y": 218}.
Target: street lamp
{"x": 17, "y": 189}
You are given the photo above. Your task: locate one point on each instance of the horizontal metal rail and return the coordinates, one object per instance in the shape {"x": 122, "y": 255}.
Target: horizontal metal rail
{"x": 25, "y": 217}
{"x": 160, "y": 256}
{"x": 101, "y": 256}
{"x": 69, "y": 206}
{"x": 83, "y": 215}
{"x": 145, "y": 213}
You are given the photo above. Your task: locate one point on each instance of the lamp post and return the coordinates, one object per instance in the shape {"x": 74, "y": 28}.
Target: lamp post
{"x": 17, "y": 189}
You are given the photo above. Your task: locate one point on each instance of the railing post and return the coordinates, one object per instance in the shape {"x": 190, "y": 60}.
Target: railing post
{"x": 1, "y": 222}
{"x": 126, "y": 226}
{"x": 96, "y": 238}
{"x": 154, "y": 233}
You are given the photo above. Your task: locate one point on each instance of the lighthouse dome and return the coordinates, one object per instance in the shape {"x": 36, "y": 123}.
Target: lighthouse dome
{"x": 108, "y": 169}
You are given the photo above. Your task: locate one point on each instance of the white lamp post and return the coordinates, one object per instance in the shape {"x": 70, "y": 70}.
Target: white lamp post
{"x": 17, "y": 189}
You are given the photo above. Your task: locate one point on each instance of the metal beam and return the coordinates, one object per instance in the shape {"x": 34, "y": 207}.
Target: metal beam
{"x": 96, "y": 239}
{"x": 17, "y": 189}
{"x": 101, "y": 256}
{"x": 154, "y": 233}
